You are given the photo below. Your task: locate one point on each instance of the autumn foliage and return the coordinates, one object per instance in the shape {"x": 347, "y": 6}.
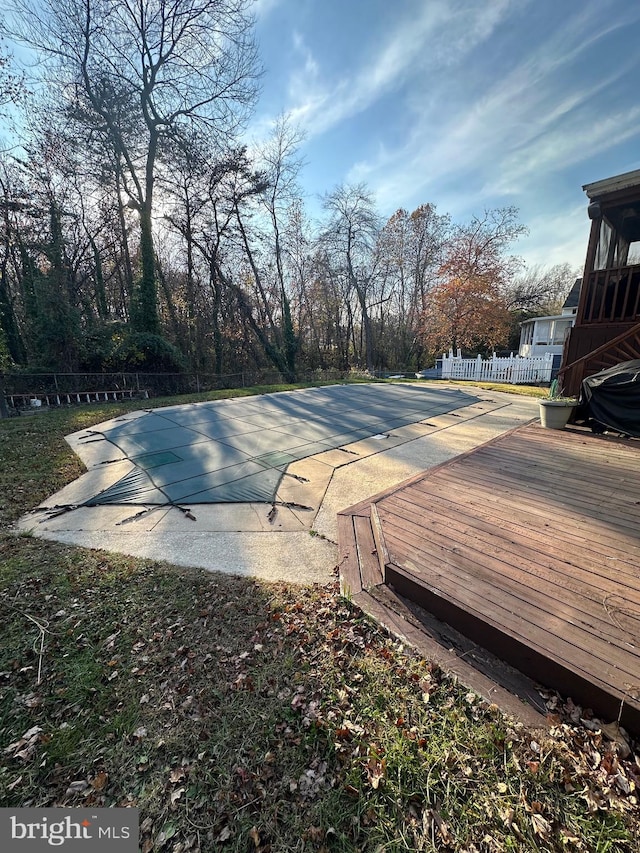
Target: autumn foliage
{"x": 467, "y": 308}
{"x": 466, "y": 314}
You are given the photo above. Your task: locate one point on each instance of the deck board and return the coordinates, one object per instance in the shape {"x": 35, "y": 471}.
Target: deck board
{"x": 350, "y": 580}
{"x": 530, "y": 545}
{"x": 591, "y": 615}
{"x": 471, "y": 490}
{"x": 530, "y": 548}
{"x": 370, "y": 571}
{"x": 461, "y": 572}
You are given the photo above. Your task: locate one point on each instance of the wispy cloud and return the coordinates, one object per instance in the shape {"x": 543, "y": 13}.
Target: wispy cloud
{"x": 470, "y": 105}
{"x": 565, "y": 145}
{"x": 531, "y": 121}
{"x": 262, "y": 8}
{"x": 558, "y": 238}
{"x": 440, "y": 34}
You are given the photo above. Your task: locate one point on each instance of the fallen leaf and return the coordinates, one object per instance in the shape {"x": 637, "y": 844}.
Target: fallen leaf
{"x": 99, "y": 780}
{"x": 376, "y": 769}
{"x": 568, "y": 837}
{"x": 224, "y": 835}
{"x": 175, "y": 795}
{"x": 167, "y": 832}
{"x": 110, "y": 641}
{"x": 315, "y": 834}
{"x": 77, "y": 787}
{"x": 623, "y": 783}
{"x": 298, "y": 701}
{"x": 593, "y": 799}
{"x": 508, "y": 817}
{"x": 432, "y": 816}
{"x": 15, "y": 783}
{"x": 613, "y": 732}
{"x": 29, "y": 737}
{"x": 541, "y": 826}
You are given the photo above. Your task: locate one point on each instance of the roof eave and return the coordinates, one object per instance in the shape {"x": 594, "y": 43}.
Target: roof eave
{"x": 611, "y": 185}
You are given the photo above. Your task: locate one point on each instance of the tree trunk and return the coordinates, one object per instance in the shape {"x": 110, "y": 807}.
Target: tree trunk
{"x": 193, "y": 337}
{"x": 128, "y": 289}
{"x": 101, "y": 296}
{"x": 217, "y": 307}
{"x": 8, "y": 321}
{"x": 4, "y": 410}
{"x": 144, "y": 314}
{"x": 171, "y": 309}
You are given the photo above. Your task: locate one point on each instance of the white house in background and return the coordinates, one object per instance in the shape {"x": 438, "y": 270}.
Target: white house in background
{"x": 542, "y": 335}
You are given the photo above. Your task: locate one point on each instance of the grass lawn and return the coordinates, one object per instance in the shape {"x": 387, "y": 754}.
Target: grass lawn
{"x": 248, "y": 716}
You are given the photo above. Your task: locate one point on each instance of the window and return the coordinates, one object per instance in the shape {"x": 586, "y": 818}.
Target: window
{"x": 542, "y": 334}
{"x": 560, "y": 331}
{"x": 602, "y": 249}
{"x": 619, "y": 238}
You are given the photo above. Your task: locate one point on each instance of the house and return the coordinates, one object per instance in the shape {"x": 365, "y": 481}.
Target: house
{"x": 607, "y": 321}
{"x": 541, "y": 335}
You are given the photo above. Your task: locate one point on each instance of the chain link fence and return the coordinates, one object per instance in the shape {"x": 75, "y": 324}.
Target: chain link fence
{"x": 34, "y": 390}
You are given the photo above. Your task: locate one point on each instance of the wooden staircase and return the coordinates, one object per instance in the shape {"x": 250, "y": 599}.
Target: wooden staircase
{"x": 624, "y": 347}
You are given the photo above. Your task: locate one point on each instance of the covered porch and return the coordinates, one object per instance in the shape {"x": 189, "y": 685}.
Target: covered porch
{"x": 607, "y": 326}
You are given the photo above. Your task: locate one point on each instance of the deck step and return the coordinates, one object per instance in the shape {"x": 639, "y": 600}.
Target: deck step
{"x": 522, "y": 652}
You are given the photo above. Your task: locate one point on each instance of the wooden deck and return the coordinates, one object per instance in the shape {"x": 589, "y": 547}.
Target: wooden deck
{"x": 529, "y": 547}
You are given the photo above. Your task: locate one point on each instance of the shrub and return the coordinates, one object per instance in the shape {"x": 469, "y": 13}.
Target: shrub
{"x": 142, "y": 351}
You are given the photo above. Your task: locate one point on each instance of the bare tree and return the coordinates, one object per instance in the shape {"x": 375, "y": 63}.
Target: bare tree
{"x": 351, "y": 234}
{"x": 281, "y": 164}
{"x": 138, "y": 73}
{"x": 541, "y": 290}
{"x": 12, "y": 88}
{"x": 411, "y": 250}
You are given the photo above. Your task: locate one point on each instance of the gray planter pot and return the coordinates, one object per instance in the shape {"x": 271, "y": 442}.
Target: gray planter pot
{"x": 555, "y": 414}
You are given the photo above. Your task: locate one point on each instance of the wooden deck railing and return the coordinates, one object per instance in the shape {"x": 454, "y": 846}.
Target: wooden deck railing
{"x": 612, "y": 295}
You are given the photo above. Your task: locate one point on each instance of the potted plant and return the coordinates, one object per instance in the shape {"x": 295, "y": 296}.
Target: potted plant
{"x": 555, "y": 410}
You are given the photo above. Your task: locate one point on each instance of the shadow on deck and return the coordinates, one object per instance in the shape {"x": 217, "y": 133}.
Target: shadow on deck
{"x": 512, "y": 565}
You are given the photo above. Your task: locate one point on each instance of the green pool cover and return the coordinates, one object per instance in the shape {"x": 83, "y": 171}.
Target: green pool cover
{"x": 237, "y": 451}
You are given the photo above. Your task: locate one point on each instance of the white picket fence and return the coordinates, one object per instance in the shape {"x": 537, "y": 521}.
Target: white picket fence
{"x": 513, "y": 370}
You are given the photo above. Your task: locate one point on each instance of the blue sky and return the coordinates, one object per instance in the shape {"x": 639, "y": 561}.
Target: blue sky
{"x": 468, "y": 104}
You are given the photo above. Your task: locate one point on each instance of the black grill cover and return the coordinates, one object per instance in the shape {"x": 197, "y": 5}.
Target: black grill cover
{"x": 612, "y": 397}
